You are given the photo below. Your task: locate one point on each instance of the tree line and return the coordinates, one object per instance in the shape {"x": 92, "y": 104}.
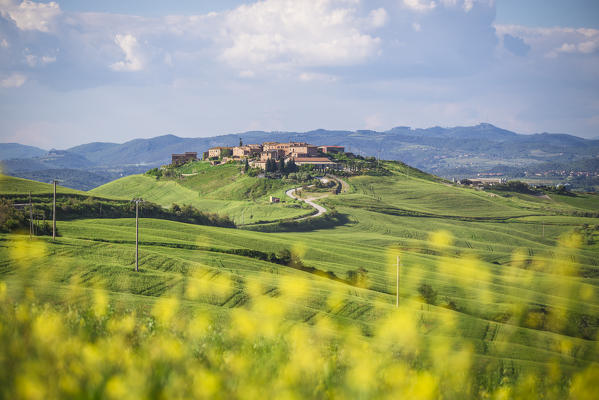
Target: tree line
{"x": 13, "y": 219}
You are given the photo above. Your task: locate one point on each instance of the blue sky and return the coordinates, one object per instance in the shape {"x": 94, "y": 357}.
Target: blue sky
{"x": 77, "y": 71}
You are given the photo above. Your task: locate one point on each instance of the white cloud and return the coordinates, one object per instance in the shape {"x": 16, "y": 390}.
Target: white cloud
{"x": 246, "y": 73}
{"x": 134, "y": 59}
{"x": 3, "y": 43}
{"x": 468, "y": 4}
{"x": 33, "y": 61}
{"x": 314, "y": 76}
{"x": 567, "y": 48}
{"x": 419, "y": 5}
{"x": 588, "y": 47}
{"x": 286, "y": 34}
{"x": 374, "y": 121}
{"x": 30, "y": 15}
{"x": 14, "y": 80}
{"x": 551, "y": 42}
{"x": 416, "y": 26}
{"x": 378, "y": 17}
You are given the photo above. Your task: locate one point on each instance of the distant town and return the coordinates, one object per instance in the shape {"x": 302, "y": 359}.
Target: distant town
{"x": 260, "y": 155}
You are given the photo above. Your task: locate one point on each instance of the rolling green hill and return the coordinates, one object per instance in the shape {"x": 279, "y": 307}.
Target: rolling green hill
{"x": 12, "y": 185}
{"x": 220, "y": 189}
{"x": 498, "y": 294}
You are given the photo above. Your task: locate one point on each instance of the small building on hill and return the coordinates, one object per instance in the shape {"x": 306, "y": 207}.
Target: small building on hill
{"x": 272, "y": 154}
{"x": 316, "y": 162}
{"x": 247, "y": 151}
{"x": 180, "y": 159}
{"x": 301, "y": 151}
{"x": 332, "y": 149}
{"x": 217, "y": 152}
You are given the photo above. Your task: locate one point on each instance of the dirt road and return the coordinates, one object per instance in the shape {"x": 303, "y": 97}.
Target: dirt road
{"x": 310, "y": 200}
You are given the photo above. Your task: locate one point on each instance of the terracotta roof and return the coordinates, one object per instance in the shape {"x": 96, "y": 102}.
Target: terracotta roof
{"x": 313, "y": 159}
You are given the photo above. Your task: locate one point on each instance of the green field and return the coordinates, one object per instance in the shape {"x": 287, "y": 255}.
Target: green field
{"x": 220, "y": 189}
{"x": 11, "y": 185}
{"x": 499, "y": 295}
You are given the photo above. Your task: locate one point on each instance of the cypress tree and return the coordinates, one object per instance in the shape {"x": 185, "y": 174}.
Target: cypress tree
{"x": 281, "y": 166}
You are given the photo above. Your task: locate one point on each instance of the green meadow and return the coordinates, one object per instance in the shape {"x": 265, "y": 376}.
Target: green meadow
{"x": 12, "y": 185}
{"x": 221, "y": 189}
{"x": 498, "y": 294}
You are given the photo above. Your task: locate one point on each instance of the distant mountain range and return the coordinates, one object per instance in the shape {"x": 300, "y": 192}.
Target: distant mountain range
{"x": 448, "y": 152}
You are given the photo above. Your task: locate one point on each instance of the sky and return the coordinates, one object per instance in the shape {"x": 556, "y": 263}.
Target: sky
{"x": 80, "y": 71}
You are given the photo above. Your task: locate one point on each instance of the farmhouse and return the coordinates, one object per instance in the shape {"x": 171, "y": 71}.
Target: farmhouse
{"x": 303, "y": 150}
{"x": 331, "y": 149}
{"x": 179, "y": 159}
{"x": 247, "y": 151}
{"x": 316, "y": 162}
{"x": 483, "y": 181}
{"x": 217, "y": 152}
{"x": 273, "y": 154}
{"x": 294, "y": 149}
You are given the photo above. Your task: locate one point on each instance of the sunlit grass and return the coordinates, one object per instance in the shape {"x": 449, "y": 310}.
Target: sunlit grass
{"x": 87, "y": 344}
{"x": 488, "y": 308}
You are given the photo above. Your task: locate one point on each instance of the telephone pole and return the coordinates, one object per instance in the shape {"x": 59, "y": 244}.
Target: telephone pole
{"x": 397, "y": 289}
{"x": 137, "y": 201}
{"x": 54, "y": 213}
{"x": 30, "y": 217}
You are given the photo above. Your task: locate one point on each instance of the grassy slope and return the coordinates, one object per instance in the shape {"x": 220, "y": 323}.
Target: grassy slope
{"x": 220, "y": 189}
{"x": 12, "y": 185}
{"x": 492, "y": 267}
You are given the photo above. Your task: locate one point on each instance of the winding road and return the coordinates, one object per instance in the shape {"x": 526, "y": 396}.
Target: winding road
{"x": 310, "y": 201}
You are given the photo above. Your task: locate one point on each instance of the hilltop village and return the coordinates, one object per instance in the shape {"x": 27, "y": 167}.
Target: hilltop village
{"x": 263, "y": 155}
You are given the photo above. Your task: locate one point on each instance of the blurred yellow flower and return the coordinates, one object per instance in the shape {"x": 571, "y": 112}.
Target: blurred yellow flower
{"x": 165, "y": 309}
{"x": 585, "y": 385}
{"x": 48, "y": 328}
{"x": 3, "y": 290}
{"x": 441, "y": 239}
{"x": 24, "y": 252}
{"x": 100, "y": 303}
{"x": 293, "y": 288}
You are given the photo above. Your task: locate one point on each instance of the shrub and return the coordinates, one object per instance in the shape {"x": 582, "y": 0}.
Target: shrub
{"x": 427, "y": 293}
{"x": 358, "y": 277}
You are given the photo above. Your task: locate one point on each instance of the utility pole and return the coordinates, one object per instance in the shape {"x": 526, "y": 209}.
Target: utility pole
{"x": 30, "y": 217}
{"x": 54, "y": 213}
{"x": 137, "y": 201}
{"x": 397, "y": 289}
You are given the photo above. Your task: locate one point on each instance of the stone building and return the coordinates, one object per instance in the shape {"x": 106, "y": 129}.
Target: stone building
{"x": 247, "y": 151}
{"x": 179, "y": 159}
{"x": 217, "y": 152}
{"x": 332, "y": 149}
{"x": 273, "y": 154}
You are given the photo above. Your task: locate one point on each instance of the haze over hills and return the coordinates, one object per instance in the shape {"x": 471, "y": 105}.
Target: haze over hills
{"x": 16, "y": 150}
{"x": 447, "y": 152}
